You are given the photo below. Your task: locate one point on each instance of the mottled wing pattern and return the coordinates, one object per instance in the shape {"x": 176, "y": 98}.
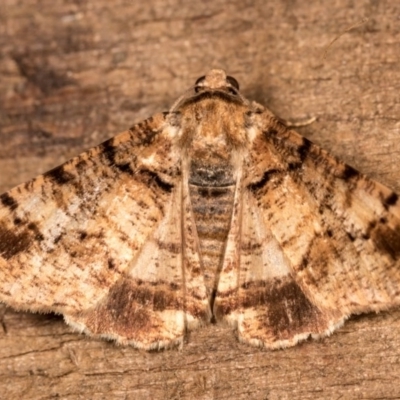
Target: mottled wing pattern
{"x": 213, "y": 205}
{"x": 319, "y": 241}
{"x": 100, "y": 240}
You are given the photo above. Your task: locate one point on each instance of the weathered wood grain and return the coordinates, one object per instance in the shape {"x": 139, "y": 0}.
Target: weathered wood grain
{"x": 74, "y": 73}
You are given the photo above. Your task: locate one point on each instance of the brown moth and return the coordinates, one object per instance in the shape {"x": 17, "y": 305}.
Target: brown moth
{"x": 212, "y": 211}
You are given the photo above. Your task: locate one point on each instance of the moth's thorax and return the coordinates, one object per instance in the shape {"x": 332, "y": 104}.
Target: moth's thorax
{"x": 213, "y": 132}
{"x": 214, "y": 117}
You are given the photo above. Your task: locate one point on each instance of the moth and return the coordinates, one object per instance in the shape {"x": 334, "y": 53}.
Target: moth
{"x": 213, "y": 211}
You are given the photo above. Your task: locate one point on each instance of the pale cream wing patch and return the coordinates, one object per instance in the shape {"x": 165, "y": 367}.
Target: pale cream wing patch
{"x": 225, "y": 304}
{"x": 197, "y": 298}
{"x": 77, "y": 239}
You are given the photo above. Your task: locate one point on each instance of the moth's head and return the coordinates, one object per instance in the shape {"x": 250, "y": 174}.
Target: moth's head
{"x": 217, "y": 83}
{"x": 216, "y": 79}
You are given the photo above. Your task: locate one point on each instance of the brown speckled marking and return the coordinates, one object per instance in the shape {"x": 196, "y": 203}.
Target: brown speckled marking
{"x": 8, "y": 201}
{"x": 391, "y": 199}
{"x": 214, "y": 210}
{"x": 132, "y": 311}
{"x": 386, "y": 238}
{"x": 59, "y": 175}
{"x": 287, "y": 310}
{"x": 12, "y": 243}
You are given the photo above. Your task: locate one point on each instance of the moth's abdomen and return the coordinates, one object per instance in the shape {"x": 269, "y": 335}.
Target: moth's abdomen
{"x": 218, "y": 176}
{"x": 212, "y": 209}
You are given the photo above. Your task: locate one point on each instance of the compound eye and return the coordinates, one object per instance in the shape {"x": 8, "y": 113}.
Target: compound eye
{"x": 198, "y": 83}
{"x": 200, "y": 80}
{"x": 233, "y": 82}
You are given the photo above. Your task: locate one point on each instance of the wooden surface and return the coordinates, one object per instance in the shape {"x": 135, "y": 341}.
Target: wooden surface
{"x": 73, "y": 73}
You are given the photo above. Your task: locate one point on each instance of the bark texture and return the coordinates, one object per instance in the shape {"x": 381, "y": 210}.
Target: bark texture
{"x": 73, "y": 73}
